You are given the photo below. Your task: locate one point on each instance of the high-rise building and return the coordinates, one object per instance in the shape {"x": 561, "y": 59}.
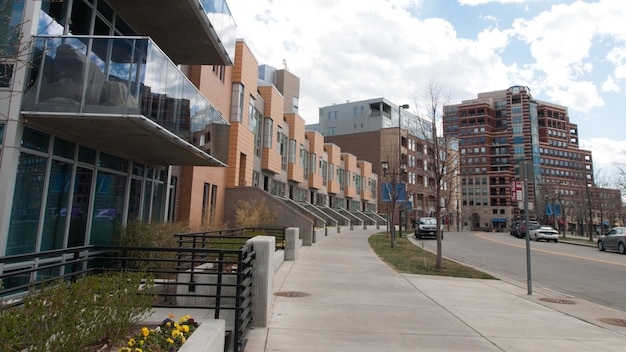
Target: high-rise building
{"x": 503, "y": 132}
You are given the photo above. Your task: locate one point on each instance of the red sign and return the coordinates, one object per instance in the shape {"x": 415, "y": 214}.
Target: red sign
{"x": 516, "y": 191}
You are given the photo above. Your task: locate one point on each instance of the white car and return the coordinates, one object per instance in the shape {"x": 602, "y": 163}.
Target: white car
{"x": 546, "y": 233}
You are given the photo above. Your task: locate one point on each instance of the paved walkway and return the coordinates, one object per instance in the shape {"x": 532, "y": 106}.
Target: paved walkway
{"x": 355, "y": 302}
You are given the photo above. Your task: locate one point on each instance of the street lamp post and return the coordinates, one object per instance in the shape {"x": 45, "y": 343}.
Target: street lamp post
{"x": 400, "y": 163}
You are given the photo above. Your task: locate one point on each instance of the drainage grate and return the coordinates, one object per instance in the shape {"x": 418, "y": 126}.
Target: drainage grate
{"x": 557, "y": 300}
{"x": 291, "y": 294}
{"x": 613, "y": 321}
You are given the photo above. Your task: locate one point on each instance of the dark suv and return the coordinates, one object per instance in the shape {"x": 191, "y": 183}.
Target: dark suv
{"x": 520, "y": 229}
{"x": 427, "y": 227}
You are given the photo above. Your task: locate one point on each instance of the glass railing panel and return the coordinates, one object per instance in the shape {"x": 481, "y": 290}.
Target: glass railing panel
{"x": 116, "y": 76}
{"x": 223, "y": 21}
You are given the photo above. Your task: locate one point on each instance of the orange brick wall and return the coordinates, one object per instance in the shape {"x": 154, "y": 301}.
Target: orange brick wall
{"x": 192, "y": 191}
{"x": 241, "y": 139}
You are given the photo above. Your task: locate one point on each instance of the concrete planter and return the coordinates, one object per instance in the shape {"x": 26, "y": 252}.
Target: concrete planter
{"x": 208, "y": 337}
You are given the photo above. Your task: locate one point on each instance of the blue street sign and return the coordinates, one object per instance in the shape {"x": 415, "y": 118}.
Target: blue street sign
{"x": 557, "y": 209}
{"x": 548, "y": 210}
{"x": 389, "y": 194}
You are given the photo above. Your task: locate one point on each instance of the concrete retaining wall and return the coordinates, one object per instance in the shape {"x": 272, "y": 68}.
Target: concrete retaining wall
{"x": 208, "y": 337}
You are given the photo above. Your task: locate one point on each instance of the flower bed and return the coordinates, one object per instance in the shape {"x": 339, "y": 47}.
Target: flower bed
{"x": 169, "y": 336}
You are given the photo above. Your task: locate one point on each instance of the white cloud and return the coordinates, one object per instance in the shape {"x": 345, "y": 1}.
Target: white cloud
{"x": 484, "y": 2}
{"x": 346, "y": 52}
{"x": 606, "y": 153}
{"x": 561, "y": 41}
{"x": 610, "y": 86}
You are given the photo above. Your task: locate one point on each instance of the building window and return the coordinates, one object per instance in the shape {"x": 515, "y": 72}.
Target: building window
{"x": 268, "y": 134}
{"x": 205, "y": 204}
{"x": 236, "y": 106}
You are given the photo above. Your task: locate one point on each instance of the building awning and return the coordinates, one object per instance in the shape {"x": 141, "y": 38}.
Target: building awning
{"x": 498, "y": 219}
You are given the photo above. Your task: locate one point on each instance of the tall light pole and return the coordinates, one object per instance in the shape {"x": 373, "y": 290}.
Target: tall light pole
{"x": 400, "y": 163}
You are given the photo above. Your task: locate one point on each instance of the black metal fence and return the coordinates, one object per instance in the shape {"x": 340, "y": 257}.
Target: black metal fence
{"x": 229, "y": 238}
{"x": 190, "y": 276}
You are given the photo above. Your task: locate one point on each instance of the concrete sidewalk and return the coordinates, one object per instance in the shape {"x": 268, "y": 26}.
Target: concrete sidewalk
{"x": 339, "y": 296}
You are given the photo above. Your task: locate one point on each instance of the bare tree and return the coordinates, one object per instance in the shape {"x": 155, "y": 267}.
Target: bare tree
{"x": 442, "y": 157}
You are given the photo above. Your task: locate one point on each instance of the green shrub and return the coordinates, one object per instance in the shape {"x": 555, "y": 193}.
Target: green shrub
{"x": 70, "y": 316}
{"x": 157, "y": 235}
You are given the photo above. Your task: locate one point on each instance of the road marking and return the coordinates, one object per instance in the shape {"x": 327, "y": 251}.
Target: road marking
{"x": 550, "y": 252}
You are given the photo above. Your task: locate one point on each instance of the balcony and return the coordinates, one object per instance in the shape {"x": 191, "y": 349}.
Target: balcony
{"x": 122, "y": 94}
{"x": 189, "y": 31}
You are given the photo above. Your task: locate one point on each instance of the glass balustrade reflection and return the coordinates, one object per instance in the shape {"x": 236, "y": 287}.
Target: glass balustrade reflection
{"x": 114, "y": 76}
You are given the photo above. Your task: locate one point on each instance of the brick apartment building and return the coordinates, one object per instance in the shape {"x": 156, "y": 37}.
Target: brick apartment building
{"x": 499, "y": 130}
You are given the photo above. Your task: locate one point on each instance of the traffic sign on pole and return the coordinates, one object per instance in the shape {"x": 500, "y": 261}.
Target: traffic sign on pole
{"x": 517, "y": 194}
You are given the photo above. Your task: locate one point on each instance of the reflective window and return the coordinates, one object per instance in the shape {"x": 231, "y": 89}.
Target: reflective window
{"x": 56, "y": 218}
{"x": 80, "y": 207}
{"x": 113, "y": 162}
{"x": 35, "y": 140}
{"x": 27, "y": 201}
{"x": 87, "y": 155}
{"x": 10, "y": 30}
{"x": 64, "y": 148}
{"x": 108, "y": 207}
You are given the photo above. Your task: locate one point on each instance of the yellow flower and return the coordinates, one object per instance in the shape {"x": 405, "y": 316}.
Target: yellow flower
{"x": 168, "y": 324}
{"x": 170, "y": 341}
{"x": 145, "y": 332}
{"x": 131, "y": 342}
{"x": 175, "y": 333}
{"x": 138, "y": 350}
{"x": 186, "y": 328}
{"x": 183, "y": 339}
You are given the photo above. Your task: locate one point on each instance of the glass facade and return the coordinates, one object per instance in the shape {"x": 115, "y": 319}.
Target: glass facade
{"x": 69, "y": 195}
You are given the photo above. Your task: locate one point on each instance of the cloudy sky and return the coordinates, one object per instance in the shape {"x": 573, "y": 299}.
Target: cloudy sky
{"x": 571, "y": 53}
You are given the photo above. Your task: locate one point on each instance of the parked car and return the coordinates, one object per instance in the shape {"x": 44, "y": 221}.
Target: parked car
{"x": 520, "y": 231}
{"x": 514, "y": 226}
{"x": 613, "y": 240}
{"x": 427, "y": 227}
{"x": 546, "y": 233}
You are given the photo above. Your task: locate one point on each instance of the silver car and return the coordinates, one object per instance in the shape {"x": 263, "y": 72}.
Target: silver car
{"x": 613, "y": 240}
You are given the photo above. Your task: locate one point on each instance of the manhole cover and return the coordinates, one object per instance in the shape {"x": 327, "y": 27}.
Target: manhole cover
{"x": 291, "y": 294}
{"x": 613, "y": 321}
{"x": 557, "y": 300}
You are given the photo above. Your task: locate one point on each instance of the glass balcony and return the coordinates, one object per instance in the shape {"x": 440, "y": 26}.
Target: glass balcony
{"x": 113, "y": 78}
